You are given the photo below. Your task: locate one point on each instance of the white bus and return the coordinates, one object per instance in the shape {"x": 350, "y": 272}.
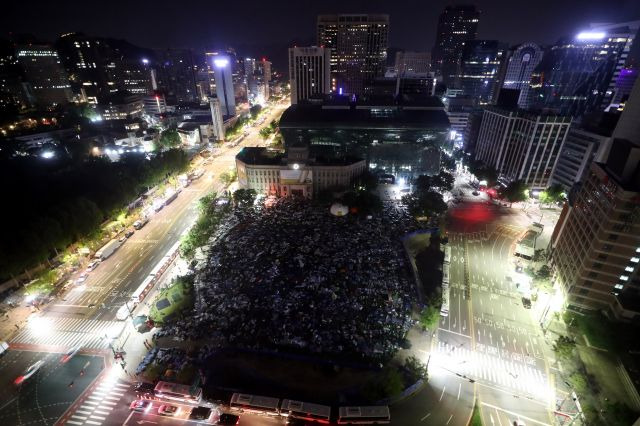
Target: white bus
{"x": 369, "y": 415}
{"x": 178, "y": 392}
{"x": 445, "y": 275}
{"x": 447, "y": 254}
{"x": 141, "y": 292}
{"x": 255, "y": 403}
{"x": 306, "y": 411}
{"x": 444, "y": 309}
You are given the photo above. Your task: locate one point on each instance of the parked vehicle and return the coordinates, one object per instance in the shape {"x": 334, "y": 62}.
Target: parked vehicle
{"x": 4, "y": 346}
{"x": 108, "y": 249}
{"x": 139, "y": 224}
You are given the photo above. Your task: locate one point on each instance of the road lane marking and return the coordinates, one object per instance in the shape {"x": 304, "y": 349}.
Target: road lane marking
{"x": 453, "y": 332}
{"x": 459, "y": 389}
{"x": 515, "y": 414}
{"x": 442, "y": 394}
{"x": 450, "y": 417}
{"x": 422, "y": 419}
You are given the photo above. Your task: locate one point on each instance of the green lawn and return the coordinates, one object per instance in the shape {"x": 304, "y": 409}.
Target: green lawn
{"x": 476, "y": 419}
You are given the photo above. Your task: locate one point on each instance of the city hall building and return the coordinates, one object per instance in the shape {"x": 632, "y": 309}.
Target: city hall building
{"x": 401, "y": 136}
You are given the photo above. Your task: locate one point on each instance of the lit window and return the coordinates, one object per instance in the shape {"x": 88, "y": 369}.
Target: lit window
{"x": 635, "y": 259}
{"x": 618, "y": 286}
{"x": 628, "y": 269}
{"x": 624, "y": 278}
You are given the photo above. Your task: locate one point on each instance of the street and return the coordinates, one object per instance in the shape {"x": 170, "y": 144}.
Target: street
{"x": 85, "y": 314}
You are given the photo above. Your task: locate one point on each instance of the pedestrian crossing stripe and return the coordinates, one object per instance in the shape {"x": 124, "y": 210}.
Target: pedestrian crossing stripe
{"x": 70, "y": 332}
{"x": 484, "y": 367}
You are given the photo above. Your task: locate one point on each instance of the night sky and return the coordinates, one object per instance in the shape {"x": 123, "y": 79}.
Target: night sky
{"x": 267, "y": 27}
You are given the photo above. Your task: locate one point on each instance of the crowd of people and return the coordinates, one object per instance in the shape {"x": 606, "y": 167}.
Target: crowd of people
{"x": 293, "y": 275}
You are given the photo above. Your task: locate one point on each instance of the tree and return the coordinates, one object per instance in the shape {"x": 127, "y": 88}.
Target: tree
{"x": 368, "y": 181}
{"x": 447, "y": 162}
{"x": 619, "y": 414}
{"x": 169, "y": 139}
{"x": 483, "y": 172}
{"x": 515, "y": 192}
{"x": 255, "y": 110}
{"x": 441, "y": 182}
{"x": 415, "y": 369}
{"x": 555, "y": 193}
{"x": 429, "y": 317}
{"x": 578, "y": 382}
{"x": 227, "y": 178}
{"x": 265, "y": 132}
{"x": 244, "y": 197}
{"x": 564, "y": 347}
{"x": 543, "y": 273}
{"x": 428, "y": 203}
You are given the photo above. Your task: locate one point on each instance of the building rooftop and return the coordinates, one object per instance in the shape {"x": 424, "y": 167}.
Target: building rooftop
{"x": 426, "y": 113}
{"x": 261, "y": 156}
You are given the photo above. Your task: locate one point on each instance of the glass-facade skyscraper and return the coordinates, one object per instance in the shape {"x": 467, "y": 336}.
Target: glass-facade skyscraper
{"x": 479, "y": 65}
{"x": 457, "y": 25}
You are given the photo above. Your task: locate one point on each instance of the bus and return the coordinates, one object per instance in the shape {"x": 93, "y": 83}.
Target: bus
{"x": 369, "y": 415}
{"x": 305, "y": 411}
{"x": 142, "y": 291}
{"x": 178, "y": 392}
{"x": 445, "y": 275}
{"x": 255, "y": 403}
{"x": 447, "y": 254}
{"x": 444, "y": 309}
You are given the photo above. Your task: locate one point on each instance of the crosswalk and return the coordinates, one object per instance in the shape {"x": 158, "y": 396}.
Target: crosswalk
{"x": 97, "y": 406}
{"x": 494, "y": 370}
{"x": 69, "y": 332}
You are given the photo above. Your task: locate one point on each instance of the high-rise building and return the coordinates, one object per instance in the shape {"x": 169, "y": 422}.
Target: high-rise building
{"x": 176, "y": 75}
{"x": 596, "y": 242}
{"x": 408, "y": 63}
{"x": 224, "y": 84}
{"x": 14, "y": 90}
{"x": 358, "y": 45}
{"x": 45, "y": 74}
{"x": 217, "y": 119}
{"x": 457, "y": 25}
{"x": 480, "y": 62}
{"x": 309, "y": 72}
{"x": 578, "y": 74}
{"x": 521, "y": 145}
{"x": 519, "y": 64}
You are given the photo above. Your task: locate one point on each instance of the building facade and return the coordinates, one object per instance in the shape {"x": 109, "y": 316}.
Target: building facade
{"x": 45, "y": 73}
{"x": 596, "y": 244}
{"x": 295, "y": 173}
{"x": 121, "y": 106}
{"x": 408, "y": 63}
{"x": 224, "y": 84}
{"x": 217, "y": 119}
{"x": 309, "y": 72}
{"x": 176, "y": 75}
{"x": 358, "y": 45}
{"x": 520, "y": 63}
{"x": 480, "y": 63}
{"x": 395, "y": 136}
{"x": 521, "y": 145}
{"x": 580, "y": 149}
{"x": 457, "y": 25}
{"x": 578, "y": 74}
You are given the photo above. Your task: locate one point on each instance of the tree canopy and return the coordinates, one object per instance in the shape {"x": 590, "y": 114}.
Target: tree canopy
{"x": 169, "y": 139}
{"x": 515, "y": 192}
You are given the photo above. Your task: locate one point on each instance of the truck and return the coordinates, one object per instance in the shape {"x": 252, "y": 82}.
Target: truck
{"x": 138, "y": 224}
{"x": 108, "y": 249}
{"x": 172, "y": 196}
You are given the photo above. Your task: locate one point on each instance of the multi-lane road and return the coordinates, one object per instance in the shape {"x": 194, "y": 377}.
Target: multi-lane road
{"x": 85, "y": 314}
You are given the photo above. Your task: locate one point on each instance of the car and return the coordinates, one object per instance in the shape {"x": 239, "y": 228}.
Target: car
{"x": 144, "y": 388}
{"x": 93, "y": 265}
{"x": 168, "y": 410}
{"x": 129, "y": 232}
{"x": 200, "y": 413}
{"x": 475, "y": 193}
{"x": 526, "y": 302}
{"x": 122, "y": 239}
{"x": 519, "y": 268}
{"x": 33, "y": 369}
{"x": 82, "y": 278}
{"x": 70, "y": 354}
{"x": 143, "y": 405}
{"x": 228, "y": 419}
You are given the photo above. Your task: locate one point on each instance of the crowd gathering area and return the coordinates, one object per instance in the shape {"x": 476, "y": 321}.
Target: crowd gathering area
{"x": 291, "y": 276}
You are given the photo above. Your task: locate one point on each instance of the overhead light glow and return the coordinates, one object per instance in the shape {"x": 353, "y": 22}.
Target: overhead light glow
{"x": 221, "y": 62}
{"x": 589, "y": 35}
{"x": 47, "y": 154}
{"x": 145, "y": 61}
